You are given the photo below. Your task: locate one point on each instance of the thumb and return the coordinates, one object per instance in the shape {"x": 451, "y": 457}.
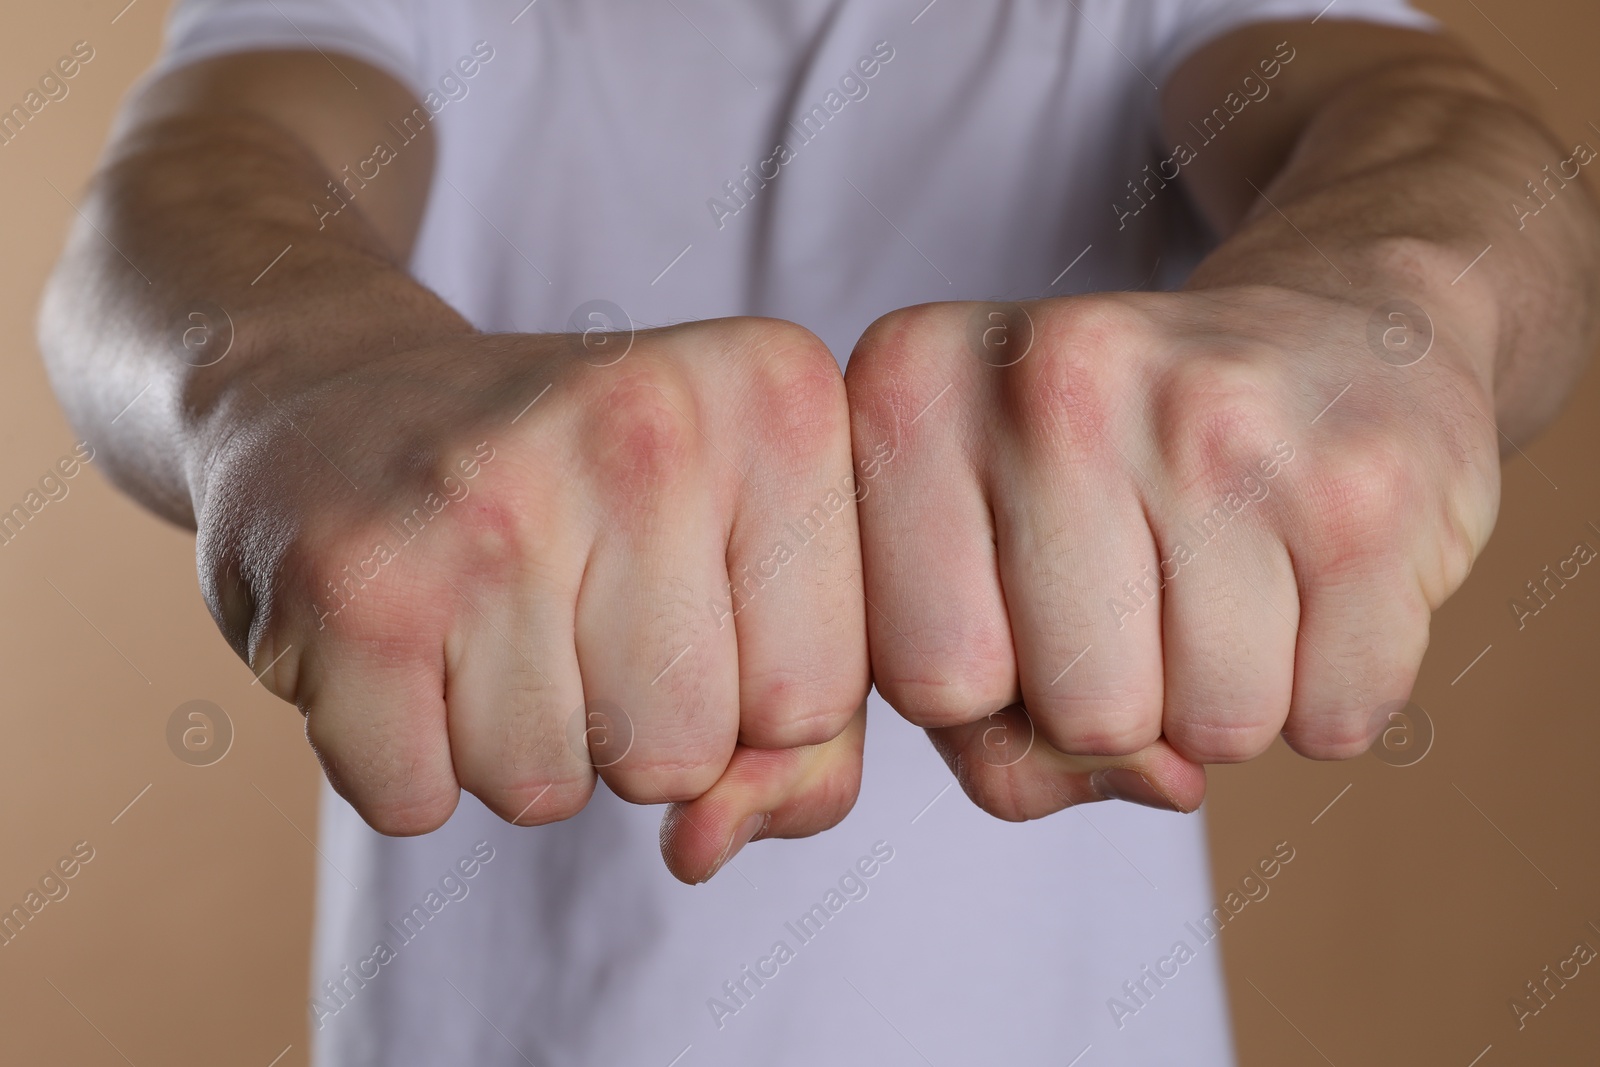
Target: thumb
{"x": 764, "y": 792}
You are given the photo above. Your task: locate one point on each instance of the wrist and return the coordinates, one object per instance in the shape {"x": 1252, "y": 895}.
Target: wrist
{"x": 1414, "y": 293}
{"x": 280, "y": 360}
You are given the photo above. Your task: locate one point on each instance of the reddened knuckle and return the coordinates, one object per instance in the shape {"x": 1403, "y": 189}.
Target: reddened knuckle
{"x": 490, "y": 538}
{"x": 1096, "y": 320}
{"x": 639, "y": 430}
{"x": 799, "y": 398}
{"x": 1363, "y": 496}
{"x": 785, "y": 342}
{"x": 1068, "y": 387}
{"x": 1062, "y": 392}
{"x": 916, "y": 345}
{"x": 895, "y": 338}
{"x": 898, "y": 369}
{"x": 1217, "y": 423}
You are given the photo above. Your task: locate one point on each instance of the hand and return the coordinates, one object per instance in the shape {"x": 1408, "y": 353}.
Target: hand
{"x": 1163, "y": 526}
{"x": 503, "y": 564}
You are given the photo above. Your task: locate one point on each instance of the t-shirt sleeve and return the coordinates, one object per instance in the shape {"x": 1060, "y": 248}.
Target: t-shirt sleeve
{"x": 1190, "y": 24}
{"x": 385, "y": 33}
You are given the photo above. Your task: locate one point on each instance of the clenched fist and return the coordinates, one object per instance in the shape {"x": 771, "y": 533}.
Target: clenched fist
{"x": 511, "y": 564}
{"x": 1158, "y": 529}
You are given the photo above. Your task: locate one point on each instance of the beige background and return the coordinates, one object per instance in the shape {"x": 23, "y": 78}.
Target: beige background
{"x": 1406, "y": 922}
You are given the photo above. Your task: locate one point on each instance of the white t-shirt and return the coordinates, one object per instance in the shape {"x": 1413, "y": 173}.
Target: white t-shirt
{"x": 823, "y": 161}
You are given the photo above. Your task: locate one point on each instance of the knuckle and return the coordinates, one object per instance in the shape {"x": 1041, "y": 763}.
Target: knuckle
{"x": 227, "y": 590}
{"x": 1098, "y": 725}
{"x": 893, "y": 339}
{"x": 1219, "y": 742}
{"x": 1217, "y": 423}
{"x": 411, "y": 814}
{"x": 827, "y": 792}
{"x": 480, "y": 511}
{"x": 1064, "y": 393}
{"x": 384, "y": 773}
{"x": 1358, "y": 501}
{"x": 1457, "y": 550}
{"x": 638, "y": 433}
{"x": 1330, "y": 738}
{"x": 357, "y": 599}
{"x": 533, "y": 804}
{"x": 779, "y": 341}
{"x": 828, "y": 806}
{"x": 894, "y": 371}
{"x": 1096, "y": 322}
{"x": 794, "y": 714}
{"x": 798, "y": 399}
{"x": 933, "y": 703}
{"x": 947, "y": 672}
{"x": 660, "y": 779}
{"x": 675, "y": 754}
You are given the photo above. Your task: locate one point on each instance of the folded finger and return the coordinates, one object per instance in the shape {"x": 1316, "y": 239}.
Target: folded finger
{"x": 1008, "y": 771}
{"x": 793, "y": 792}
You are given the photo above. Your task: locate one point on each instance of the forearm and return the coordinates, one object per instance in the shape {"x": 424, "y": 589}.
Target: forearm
{"x": 190, "y": 213}
{"x": 1397, "y": 187}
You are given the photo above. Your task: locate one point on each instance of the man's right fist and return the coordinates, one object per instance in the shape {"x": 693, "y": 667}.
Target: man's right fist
{"x": 509, "y": 563}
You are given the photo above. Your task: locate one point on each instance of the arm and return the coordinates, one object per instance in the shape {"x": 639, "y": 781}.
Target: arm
{"x": 1403, "y": 158}
{"x": 1196, "y": 520}
{"x": 460, "y": 589}
{"x": 202, "y": 186}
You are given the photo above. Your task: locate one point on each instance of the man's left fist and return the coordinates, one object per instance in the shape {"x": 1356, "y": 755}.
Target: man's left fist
{"x": 1126, "y": 534}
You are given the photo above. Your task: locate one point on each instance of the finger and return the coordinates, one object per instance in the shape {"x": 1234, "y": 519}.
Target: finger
{"x": 1363, "y": 631}
{"x": 1077, "y": 559}
{"x": 1082, "y": 588}
{"x": 517, "y": 717}
{"x": 793, "y": 792}
{"x": 375, "y": 715}
{"x": 1009, "y": 772}
{"x": 646, "y": 643}
{"x": 936, "y": 620}
{"x": 1364, "y": 613}
{"x": 794, "y": 563}
{"x": 1230, "y": 622}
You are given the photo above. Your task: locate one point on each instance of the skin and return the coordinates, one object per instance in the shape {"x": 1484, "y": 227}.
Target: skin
{"x": 581, "y": 512}
{"x": 1380, "y": 166}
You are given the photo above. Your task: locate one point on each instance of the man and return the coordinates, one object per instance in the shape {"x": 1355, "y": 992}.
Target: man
{"x": 362, "y": 295}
